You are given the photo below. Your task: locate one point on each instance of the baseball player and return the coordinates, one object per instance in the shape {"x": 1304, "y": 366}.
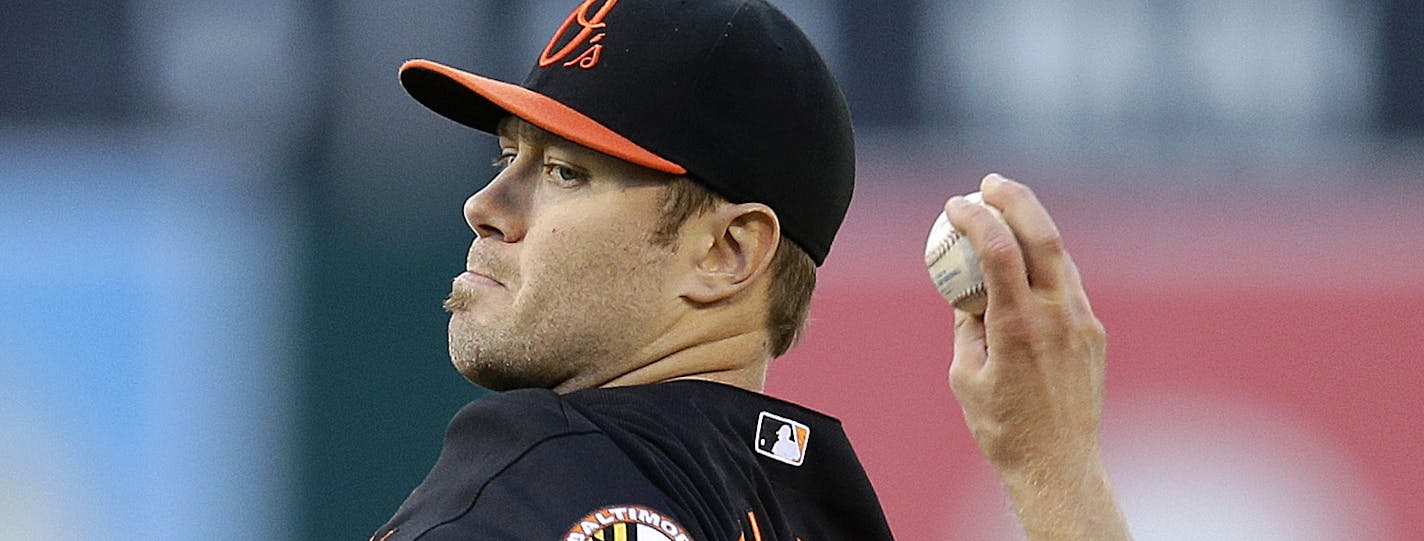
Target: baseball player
{"x": 671, "y": 174}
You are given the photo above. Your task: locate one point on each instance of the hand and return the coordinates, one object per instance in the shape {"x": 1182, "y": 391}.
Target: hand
{"x": 1029, "y": 373}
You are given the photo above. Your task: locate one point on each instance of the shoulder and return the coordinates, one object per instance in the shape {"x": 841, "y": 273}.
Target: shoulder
{"x": 578, "y": 483}
{"x": 513, "y": 419}
{"x": 520, "y": 465}
{"x": 733, "y": 457}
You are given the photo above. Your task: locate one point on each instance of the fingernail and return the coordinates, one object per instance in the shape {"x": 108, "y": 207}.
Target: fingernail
{"x": 957, "y": 201}
{"x": 994, "y": 179}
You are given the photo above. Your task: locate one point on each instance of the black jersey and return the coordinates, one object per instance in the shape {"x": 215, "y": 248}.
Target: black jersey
{"x": 676, "y": 461}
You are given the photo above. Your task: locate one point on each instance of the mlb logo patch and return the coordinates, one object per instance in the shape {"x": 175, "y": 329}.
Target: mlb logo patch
{"x": 781, "y": 438}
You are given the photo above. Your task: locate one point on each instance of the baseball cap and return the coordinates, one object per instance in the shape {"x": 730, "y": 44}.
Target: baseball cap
{"x": 730, "y": 93}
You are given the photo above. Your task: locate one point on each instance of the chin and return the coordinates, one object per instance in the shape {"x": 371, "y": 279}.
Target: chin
{"x": 496, "y": 380}
{"x": 503, "y": 375}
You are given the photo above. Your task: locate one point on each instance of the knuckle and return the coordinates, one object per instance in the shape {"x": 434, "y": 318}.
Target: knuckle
{"x": 1092, "y": 329}
{"x": 999, "y": 248}
{"x": 957, "y": 379}
{"x": 1051, "y": 240}
{"x": 1096, "y": 326}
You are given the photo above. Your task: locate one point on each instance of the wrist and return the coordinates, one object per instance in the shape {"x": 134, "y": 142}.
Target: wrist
{"x": 1063, "y": 467}
{"x": 1064, "y": 498}
{"x": 1064, "y": 477}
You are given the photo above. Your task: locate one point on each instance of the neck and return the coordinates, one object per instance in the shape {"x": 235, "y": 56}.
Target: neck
{"x": 739, "y": 360}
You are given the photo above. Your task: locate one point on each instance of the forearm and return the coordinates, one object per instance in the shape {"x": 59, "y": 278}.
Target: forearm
{"x": 1065, "y": 502}
{"x": 1029, "y": 373}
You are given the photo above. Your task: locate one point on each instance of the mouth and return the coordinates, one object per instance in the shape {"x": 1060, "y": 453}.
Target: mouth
{"x": 477, "y": 279}
{"x": 466, "y": 288}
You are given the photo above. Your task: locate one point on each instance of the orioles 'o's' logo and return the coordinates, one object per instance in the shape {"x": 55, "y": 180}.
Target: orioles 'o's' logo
{"x": 590, "y": 32}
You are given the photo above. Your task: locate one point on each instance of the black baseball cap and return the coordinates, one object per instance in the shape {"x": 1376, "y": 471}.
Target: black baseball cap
{"x": 728, "y": 92}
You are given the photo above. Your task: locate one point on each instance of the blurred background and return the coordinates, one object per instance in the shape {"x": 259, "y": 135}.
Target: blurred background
{"x": 225, "y": 233}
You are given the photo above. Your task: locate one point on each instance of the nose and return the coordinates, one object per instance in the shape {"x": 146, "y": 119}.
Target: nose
{"x": 495, "y": 212}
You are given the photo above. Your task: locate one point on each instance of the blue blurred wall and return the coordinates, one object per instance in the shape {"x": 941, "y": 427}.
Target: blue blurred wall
{"x": 146, "y": 293}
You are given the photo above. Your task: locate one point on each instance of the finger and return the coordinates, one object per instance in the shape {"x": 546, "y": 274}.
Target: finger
{"x": 970, "y": 348}
{"x": 1037, "y": 234}
{"x": 1073, "y": 282}
{"x": 1000, "y": 257}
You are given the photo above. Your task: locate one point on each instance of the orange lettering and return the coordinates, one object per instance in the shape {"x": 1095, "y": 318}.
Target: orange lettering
{"x": 587, "y": 26}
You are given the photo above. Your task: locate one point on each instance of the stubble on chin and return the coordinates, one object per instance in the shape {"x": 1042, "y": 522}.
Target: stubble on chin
{"x": 497, "y": 353}
{"x": 500, "y": 372}
{"x": 565, "y": 326}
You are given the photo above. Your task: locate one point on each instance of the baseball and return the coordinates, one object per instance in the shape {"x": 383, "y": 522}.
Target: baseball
{"x": 953, "y": 265}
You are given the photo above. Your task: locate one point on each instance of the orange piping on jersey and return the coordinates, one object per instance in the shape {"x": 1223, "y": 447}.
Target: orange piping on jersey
{"x": 756, "y": 530}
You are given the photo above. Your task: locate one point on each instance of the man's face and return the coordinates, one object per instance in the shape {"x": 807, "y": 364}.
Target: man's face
{"x": 564, "y": 284}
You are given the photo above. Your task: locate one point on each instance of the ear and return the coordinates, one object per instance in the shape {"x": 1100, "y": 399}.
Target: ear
{"x": 744, "y": 238}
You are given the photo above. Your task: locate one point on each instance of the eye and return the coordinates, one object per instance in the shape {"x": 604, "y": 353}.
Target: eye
{"x": 505, "y": 158}
{"x": 565, "y": 175}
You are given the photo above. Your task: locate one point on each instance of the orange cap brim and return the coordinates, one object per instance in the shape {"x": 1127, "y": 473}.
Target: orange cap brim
{"x": 429, "y": 83}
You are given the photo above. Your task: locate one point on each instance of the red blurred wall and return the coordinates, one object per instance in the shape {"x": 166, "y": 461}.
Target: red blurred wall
{"x": 1310, "y": 304}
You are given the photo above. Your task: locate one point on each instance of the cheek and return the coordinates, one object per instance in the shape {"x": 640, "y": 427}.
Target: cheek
{"x": 589, "y": 241}
{"x": 591, "y": 232}
{"x": 558, "y": 259}
{"x": 593, "y": 259}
